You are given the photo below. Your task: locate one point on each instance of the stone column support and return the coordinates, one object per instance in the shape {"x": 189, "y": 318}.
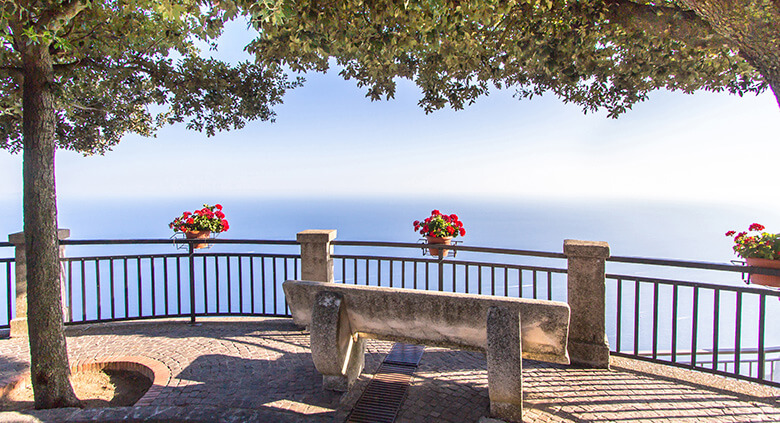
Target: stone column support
{"x": 588, "y": 344}
{"x": 316, "y": 250}
{"x": 19, "y": 322}
{"x": 505, "y": 364}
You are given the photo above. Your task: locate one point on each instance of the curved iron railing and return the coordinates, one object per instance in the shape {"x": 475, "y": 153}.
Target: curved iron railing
{"x": 682, "y": 321}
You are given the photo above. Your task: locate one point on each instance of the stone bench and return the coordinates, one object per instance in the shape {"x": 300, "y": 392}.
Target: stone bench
{"x": 341, "y": 317}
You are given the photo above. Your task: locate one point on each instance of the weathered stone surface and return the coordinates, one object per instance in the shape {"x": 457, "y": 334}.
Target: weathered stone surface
{"x": 586, "y": 296}
{"x": 443, "y": 319}
{"x": 504, "y": 364}
{"x": 337, "y": 355}
{"x": 316, "y": 261}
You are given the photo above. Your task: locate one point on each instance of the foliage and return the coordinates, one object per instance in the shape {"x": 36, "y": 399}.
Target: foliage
{"x": 209, "y": 218}
{"x": 599, "y": 54}
{"x": 762, "y": 245}
{"x": 440, "y": 225}
{"x": 125, "y": 66}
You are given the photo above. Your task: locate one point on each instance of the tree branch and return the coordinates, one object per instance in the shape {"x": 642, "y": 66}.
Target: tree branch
{"x": 53, "y": 19}
{"x": 665, "y": 21}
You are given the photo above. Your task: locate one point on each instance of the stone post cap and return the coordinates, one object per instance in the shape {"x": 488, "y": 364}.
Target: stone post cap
{"x": 591, "y": 249}
{"x": 18, "y": 238}
{"x": 317, "y": 235}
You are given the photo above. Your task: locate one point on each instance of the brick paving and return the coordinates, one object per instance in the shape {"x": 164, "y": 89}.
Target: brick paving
{"x": 258, "y": 370}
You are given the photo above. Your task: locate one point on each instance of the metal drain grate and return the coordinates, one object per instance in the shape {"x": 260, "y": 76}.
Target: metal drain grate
{"x": 380, "y": 401}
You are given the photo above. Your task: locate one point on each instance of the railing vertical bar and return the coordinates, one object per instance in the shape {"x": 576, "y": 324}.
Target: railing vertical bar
{"x": 506, "y": 281}
{"x": 368, "y": 266}
{"x": 154, "y": 288}
{"x": 379, "y": 272}
{"x": 549, "y": 285}
{"x": 466, "y": 282}
{"x": 206, "y": 287}
{"x": 636, "y": 317}
{"x": 217, "y": 281}
{"x": 440, "y": 266}
{"x": 761, "y": 336}
{"x": 354, "y": 271}
{"x": 344, "y": 270}
{"x": 519, "y": 283}
{"x": 738, "y": 333}
{"x": 479, "y": 279}
{"x": 534, "y": 281}
{"x": 492, "y": 280}
{"x": 70, "y": 293}
{"x": 403, "y": 273}
{"x": 140, "y": 288}
{"x": 715, "y": 327}
{"x": 229, "y": 285}
{"x": 427, "y": 275}
{"x": 165, "y": 285}
{"x": 414, "y": 280}
{"x": 286, "y": 307}
{"x": 619, "y": 313}
{"x": 655, "y": 320}
{"x": 191, "y": 253}
{"x": 295, "y": 269}
{"x": 454, "y": 278}
{"x": 240, "y": 286}
{"x": 97, "y": 288}
{"x": 262, "y": 281}
{"x": 178, "y": 285}
{"x": 127, "y": 287}
{"x": 10, "y": 291}
{"x": 83, "y": 292}
{"x": 675, "y": 297}
{"x": 694, "y": 324}
{"x": 273, "y": 285}
{"x": 252, "y": 283}
{"x": 392, "y": 285}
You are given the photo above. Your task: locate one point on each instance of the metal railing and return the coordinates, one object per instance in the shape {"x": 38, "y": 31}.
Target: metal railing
{"x": 716, "y": 328}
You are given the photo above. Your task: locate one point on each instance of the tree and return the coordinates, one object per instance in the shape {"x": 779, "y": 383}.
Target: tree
{"x": 79, "y": 74}
{"x": 599, "y": 54}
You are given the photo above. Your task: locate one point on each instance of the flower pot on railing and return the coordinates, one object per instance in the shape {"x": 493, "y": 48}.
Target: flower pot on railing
{"x": 198, "y": 235}
{"x": 438, "y": 240}
{"x": 765, "y": 280}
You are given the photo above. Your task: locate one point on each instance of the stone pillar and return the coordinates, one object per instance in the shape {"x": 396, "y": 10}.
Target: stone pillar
{"x": 588, "y": 344}
{"x": 19, "y": 322}
{"x": 505, "y": 364}
{"x": 338, "y": 354}
{"x": 316, "y": 261}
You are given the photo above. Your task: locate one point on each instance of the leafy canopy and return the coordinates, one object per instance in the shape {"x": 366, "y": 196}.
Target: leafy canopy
{"x": 599, "y": 54}
{"x": 131, "y": 66}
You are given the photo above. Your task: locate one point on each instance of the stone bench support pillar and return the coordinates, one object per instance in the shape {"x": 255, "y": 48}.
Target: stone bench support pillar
{"x": 588, "y": 344}
{"x": 504, "y": 364}
{"x": 337, "y": 352}
{"x": 19, "y": 322}
{"x": 316, "y": 251}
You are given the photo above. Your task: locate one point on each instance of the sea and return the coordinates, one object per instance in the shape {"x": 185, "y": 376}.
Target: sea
{"x": 633, "y": 228}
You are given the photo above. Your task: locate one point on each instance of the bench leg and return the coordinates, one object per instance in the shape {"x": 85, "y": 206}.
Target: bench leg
{"x": 337, "y": 355}
{"x": 504, "y": 364}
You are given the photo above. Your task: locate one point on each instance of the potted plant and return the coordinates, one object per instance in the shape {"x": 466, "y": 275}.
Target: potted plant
{"x": 200, "y": 224}
{"x": 760, "y": 249}
{"x": 439, "y": 228}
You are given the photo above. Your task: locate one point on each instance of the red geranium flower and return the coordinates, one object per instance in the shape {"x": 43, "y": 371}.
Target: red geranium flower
{"x": 440, "y": 225}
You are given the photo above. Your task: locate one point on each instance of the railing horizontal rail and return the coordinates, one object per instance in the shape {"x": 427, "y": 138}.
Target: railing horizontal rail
{"x": 694, "y": 265}
{"x": 691, "y": 284}
{"x": 174, "y": 255}
{"x": 454, "y": 247}
{"x": 172, "y": 241}
{"x": 435, "y": 261}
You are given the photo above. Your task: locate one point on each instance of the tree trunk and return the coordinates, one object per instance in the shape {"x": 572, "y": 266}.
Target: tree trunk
{"x": 50, "y": 371}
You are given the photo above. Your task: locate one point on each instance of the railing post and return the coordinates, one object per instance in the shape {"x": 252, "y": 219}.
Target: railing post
{"x": 588, "y": 343}
{"x": 316, "y": 251}
{"x": 19, "y": 322}
{"x": 191, "y": 254}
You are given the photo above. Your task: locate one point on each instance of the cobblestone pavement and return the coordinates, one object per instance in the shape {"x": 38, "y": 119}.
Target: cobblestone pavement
{"x": 258, "y": 370}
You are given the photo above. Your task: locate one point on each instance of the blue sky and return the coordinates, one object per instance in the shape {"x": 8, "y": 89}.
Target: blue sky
{"x": 330, "y": 140}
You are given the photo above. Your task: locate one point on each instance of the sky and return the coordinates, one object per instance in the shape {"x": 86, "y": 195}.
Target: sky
{"x": 330, "y": 140}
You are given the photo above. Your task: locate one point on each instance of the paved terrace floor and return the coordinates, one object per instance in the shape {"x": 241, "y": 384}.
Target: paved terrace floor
{"x": 260, "y": 370}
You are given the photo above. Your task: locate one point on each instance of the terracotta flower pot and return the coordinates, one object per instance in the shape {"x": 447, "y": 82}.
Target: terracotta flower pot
{"x": 766, "y": 280}
{"x": 446, "y": 240}
{"x": 198, "y": 235}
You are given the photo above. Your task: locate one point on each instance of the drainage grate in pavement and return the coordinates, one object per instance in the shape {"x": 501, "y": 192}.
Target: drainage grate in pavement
{"x": 382, "y": 398}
